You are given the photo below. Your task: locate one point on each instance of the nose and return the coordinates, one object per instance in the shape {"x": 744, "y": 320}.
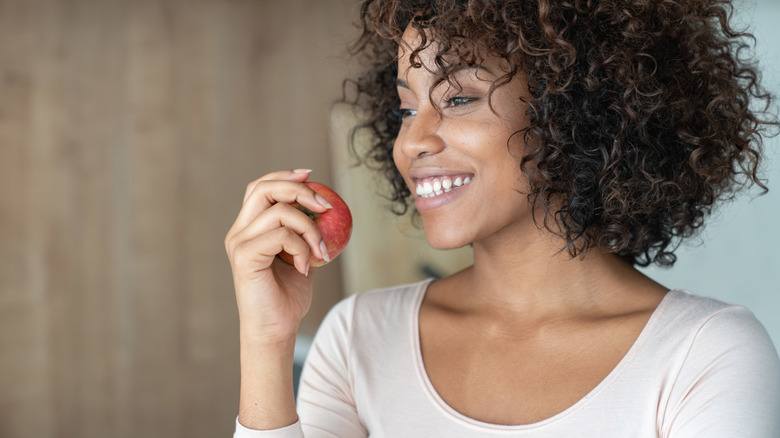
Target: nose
{"x": 420, "y": 135}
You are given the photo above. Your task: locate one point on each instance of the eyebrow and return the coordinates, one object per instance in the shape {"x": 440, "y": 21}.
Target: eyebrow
{"x": 402, "y": 83}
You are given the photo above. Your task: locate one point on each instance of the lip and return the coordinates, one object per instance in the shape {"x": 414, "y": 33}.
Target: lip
{"x": 423, "y": 204}
{"x": 421, "y": 173}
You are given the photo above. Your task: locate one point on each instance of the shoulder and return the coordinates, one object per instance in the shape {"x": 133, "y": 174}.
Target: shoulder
{"x": 377, "y": 308}
{"x": 709, "y": 331}
{"x": 724, "y": 363}
{"x": 370, "y": 327}
{"x": 707, "y": 323}
{"x": 395, "y": 298}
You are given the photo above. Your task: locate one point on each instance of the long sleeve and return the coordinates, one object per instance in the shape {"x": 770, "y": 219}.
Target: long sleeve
{"x": 325, "y": 404}
{"x": 291, "y": 431}
{"x": 729, "y": 383}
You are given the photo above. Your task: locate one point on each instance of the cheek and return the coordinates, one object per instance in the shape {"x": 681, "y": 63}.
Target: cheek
{"x": 485, "y": 141}
{"x": 399, "y": 159}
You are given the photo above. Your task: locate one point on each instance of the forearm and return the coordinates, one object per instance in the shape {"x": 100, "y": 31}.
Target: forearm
{"x": 267, "y": 399}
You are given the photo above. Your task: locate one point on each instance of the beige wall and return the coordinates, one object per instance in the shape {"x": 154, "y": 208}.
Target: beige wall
{"x": 128, "y": 132}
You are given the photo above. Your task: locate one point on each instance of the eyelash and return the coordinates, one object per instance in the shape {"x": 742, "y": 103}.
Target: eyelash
{"x": 452, "y": 102}
{"x": 403, "y": 113}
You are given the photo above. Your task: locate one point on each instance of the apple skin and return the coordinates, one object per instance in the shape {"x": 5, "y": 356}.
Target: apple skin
{"x": 335, "y": 224}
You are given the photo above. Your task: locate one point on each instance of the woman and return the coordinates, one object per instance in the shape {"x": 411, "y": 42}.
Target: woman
{"x": 565, "y": 142}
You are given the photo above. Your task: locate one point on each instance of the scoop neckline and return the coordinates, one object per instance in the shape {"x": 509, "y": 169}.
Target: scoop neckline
{"x": 453, "y": 414}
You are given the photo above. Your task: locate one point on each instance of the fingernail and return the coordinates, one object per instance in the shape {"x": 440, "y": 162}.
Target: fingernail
{"x": 324, "y": 251}
{"x": 322, "y": 201}
{"x": 307, "y": 270}
{"x": 302, "y": 171}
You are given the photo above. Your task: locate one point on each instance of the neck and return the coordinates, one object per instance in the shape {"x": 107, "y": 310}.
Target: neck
{"x": 530, "y": 274}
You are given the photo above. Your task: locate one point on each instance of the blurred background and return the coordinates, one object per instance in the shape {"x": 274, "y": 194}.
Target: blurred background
{"x": 128, "y": 133}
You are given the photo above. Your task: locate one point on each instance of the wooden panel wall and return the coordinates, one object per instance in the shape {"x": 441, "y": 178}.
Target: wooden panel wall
{"x": 128, "y": 132}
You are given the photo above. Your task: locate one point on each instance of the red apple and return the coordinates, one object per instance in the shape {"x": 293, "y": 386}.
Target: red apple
{"x": 335, "y": 224}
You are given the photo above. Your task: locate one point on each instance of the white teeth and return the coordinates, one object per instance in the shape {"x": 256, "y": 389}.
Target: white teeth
{"x": 430, "y": 189}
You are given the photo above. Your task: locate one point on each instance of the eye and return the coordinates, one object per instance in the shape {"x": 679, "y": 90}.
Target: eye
{"x": 459, "y": 101}
{"x": 403, "y": 113}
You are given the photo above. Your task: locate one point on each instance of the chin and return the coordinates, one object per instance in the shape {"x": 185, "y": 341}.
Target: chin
{"x": 445, "y": 241}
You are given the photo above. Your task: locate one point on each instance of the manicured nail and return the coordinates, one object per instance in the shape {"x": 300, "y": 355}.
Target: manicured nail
{"x": 322, "y": 201}
{"x": 302, "y": 171}
{"x": 324, "y": 251}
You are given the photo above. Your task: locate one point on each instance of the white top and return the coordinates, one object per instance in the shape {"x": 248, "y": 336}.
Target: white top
{"x": 699, "y": 368}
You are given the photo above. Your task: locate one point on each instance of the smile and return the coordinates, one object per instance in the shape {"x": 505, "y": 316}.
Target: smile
{"x": 432, "y": 187}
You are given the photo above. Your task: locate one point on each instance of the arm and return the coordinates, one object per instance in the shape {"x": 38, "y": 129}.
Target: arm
{"x": 266, "y": 399}
{"x": 729, "y": 383}
{"x": 272, "y": 296}
{"x": 325, "y": 398}
{"x": 326, "y": 401}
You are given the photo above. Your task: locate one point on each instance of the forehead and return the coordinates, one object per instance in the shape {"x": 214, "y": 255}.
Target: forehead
{"x": 416, "y": 51}
{"x": 411, "y": 40}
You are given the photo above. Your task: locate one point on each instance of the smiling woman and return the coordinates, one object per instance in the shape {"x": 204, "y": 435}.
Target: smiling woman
{"x": 627, "y": 147}
{"x": 566, "y": 143}
{"x": 442, "y": 140}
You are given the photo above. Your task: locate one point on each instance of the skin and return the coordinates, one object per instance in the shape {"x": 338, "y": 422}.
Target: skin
{"x": 272, "y": 296}
{"x": 525, "y": 322}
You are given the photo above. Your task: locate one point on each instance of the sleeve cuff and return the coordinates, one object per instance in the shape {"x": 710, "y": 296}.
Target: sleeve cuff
{"x": 292, "y": 431}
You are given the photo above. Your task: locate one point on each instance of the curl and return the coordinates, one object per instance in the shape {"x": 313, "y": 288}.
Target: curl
{"x": 643, "y": 113}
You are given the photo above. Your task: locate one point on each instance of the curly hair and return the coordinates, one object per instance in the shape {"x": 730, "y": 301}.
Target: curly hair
{"x": 642, "y": 113}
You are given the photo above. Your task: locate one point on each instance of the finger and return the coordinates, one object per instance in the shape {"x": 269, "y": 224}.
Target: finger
{"x": 268, "y": 193}
{"x": 299, "y": 175}
{"x": 259, "y": 253}
{"x": 284, "y": 215}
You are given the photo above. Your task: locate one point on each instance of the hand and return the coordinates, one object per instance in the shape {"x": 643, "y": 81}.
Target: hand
{"x": 273, "y": 296}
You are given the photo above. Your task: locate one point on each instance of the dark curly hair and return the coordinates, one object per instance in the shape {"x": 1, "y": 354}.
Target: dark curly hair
{"x": 643, "y": 113}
